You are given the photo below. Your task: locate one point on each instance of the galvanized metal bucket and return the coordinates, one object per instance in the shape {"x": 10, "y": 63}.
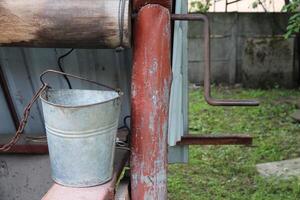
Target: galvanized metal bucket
{"x": 81, "y": 127}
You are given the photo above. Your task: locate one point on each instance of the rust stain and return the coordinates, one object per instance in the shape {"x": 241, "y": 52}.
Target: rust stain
{"x": 27, "y": 32}
{"x": 56, "y": 24}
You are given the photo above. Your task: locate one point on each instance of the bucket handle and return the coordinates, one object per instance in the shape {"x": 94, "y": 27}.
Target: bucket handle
{"x": 77, "y": 77}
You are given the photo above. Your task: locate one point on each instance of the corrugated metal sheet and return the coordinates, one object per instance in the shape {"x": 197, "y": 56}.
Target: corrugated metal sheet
{"x": 178, "y": 101}
{"x": 6, "y": 123}
{"x": 22, "y": 67}
{"x": 178, "y": 114}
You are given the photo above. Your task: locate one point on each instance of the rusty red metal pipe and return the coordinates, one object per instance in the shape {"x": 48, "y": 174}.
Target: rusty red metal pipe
{"x": 151, "y": 82}
{"x": 192, "y": 139}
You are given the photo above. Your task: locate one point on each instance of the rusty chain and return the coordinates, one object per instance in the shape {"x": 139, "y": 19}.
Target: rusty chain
{"x": 24, "y": 119}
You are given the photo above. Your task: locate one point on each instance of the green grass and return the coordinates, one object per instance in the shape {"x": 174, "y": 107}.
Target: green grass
{"x": 228, "y": 172}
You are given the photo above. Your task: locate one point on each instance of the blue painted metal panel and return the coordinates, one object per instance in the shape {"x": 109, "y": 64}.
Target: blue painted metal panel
{"x": 6, "y": 123}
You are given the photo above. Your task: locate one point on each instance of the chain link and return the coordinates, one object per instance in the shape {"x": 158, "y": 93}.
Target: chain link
{"x": 24, "y": 119}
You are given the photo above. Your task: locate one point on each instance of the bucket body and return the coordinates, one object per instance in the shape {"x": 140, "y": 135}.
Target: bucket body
{"x": 81, "y": 127}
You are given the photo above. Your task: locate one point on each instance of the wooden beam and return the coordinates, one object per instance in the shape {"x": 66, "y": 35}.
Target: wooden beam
{"x": 65, "y": 23}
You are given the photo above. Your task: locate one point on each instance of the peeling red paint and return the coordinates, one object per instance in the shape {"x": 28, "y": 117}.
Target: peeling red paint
{"x": 151, "y": 81}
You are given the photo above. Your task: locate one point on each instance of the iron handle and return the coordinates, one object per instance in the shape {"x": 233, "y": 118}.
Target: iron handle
{"x": 77, "y": 77}
{"x": 207, "y": 65}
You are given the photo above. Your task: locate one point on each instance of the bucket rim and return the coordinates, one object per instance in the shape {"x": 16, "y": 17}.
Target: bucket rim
{"x": 79, "y": 106}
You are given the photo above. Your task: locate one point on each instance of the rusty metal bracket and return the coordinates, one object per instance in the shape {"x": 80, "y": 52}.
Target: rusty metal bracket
{"x": 193, "y": 139}
{"x": 207, "y": 68}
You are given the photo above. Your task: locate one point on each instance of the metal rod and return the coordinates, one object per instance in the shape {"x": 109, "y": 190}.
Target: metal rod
{"x": 215, "y": 140}
{"x": 8, "y": 99}
{"x": 77, "y": 77}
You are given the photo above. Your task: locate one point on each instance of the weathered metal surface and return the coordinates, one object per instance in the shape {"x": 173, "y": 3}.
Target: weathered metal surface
{"x": 151, "y": 79}
{"x": 22, "y": 67}
{"x": 207, "y": 87}
{"x": 8, "y": 98}
{"x": 81, "y": 124}
{"x": 101, "y": 192}
{"x": 66, "y": 23}
{"x": 215, "y": 140}
{"x": 7, "y": 125}
{"x": 178, "y": 112}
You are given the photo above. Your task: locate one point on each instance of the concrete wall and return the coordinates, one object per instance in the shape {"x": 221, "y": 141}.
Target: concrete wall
{"x": 246, "y": 48}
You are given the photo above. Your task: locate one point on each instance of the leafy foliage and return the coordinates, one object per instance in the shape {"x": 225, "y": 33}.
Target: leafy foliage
{"x": 294, "y": 21}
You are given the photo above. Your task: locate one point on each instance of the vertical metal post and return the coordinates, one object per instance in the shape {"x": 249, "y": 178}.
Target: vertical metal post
{"x": 151, "y": 81}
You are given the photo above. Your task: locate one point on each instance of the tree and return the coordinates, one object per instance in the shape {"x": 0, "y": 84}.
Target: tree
{"x": 291, "y": 6}
{"x": 294, "y": 21}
